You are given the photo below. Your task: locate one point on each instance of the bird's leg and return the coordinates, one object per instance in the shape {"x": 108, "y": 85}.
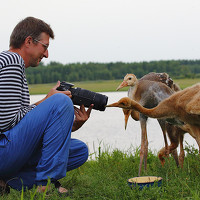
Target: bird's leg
{"x": 176, "y": 137}
{"x": 174, "y": 153}
{"x": 196, "y": 130}
{"x": 163, "y": 128}
{"x": 174, "y": 134}
{"x": 182, "y": 153}
{"x": 164, "y": 152}
{"x": 143, "y": 151}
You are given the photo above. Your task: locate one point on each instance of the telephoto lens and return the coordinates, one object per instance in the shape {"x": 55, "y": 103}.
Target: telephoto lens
{"x": 86, "y": 97}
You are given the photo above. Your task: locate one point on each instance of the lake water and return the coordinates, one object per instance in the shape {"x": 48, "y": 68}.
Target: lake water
{"x": 106, "y": 129}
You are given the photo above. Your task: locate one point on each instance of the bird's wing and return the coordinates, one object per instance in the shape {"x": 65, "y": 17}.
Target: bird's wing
{"x": 193, "y": 106}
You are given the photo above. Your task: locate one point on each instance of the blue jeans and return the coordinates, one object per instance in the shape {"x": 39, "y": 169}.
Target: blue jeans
{"x": 40, "y": 145}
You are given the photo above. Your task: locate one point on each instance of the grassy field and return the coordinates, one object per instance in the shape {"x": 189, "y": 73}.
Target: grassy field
{"x": 101, "y": 86}
{"x": 106, "y": 179}
{"x": 96, "y": 86}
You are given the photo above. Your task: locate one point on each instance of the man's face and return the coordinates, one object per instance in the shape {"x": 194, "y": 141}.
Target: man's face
{"x": 39, "y": 50}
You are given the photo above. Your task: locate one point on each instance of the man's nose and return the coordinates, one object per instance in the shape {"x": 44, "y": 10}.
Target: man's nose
{"x": 46, "y": 54}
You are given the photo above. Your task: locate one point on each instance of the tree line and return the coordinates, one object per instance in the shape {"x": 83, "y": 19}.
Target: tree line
{"x": 110, "y": 71}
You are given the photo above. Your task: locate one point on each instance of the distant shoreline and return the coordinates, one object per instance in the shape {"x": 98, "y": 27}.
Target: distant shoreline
{"x": 101, "y": 86}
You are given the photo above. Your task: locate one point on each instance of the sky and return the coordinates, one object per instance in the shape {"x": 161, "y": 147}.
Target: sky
{"x": 111, "y": 30}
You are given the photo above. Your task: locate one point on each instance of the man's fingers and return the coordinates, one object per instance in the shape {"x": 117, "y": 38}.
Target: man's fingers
{"x": 57, "y": 84}
{"x": 77, "y": 110}
{"x": 68, "y": 93}
{"x": 82, "y": 112}
{"x": 90, "y": 109}
{"x": 82, "y": 108}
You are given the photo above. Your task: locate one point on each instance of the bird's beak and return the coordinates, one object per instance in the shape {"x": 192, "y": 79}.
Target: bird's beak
{"x": 126, "y": 116}
{"x": 123, "y": 84}
{"x": 113, "y": 105}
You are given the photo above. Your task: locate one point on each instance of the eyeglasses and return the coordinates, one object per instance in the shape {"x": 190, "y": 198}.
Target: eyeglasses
{"x": 44, "y": 45}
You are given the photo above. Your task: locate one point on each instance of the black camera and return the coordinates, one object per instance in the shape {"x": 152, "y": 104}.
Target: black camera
{"x": 85, "y": 97}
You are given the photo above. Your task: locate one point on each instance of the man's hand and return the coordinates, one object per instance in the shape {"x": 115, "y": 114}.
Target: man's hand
{"x": 54, "y": 91}
{"x": 81, "y": 116}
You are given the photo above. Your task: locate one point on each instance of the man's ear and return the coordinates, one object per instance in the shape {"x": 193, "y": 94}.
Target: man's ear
{"x": 28, "y": 41}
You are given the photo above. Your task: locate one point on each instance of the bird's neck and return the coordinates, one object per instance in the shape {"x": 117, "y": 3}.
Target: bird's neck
{"x": 132, "y": 90}
{"x": 155, "y": 112}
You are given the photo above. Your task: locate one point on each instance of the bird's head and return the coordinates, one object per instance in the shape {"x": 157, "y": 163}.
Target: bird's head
{"x": 129, "y": 80}
{"x": 124, "y": 102}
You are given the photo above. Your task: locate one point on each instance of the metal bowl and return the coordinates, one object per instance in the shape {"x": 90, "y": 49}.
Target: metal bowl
{"x": 143, "y": 181}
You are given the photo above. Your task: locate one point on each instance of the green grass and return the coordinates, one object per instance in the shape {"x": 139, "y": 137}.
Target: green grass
{"x": 101, "y": 86}
{"x": 96, "y": 86}
{"x": 183, "y": 83}
{"x": 106, "y": 178}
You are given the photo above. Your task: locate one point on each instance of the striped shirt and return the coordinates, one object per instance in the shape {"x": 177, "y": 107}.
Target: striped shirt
{"x": 14, "y": 93}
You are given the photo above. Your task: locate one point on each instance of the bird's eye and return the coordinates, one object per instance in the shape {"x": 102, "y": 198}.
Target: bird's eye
{"x": 129, "y": 78}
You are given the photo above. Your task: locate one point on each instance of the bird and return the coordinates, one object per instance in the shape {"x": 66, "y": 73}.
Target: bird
{"x": 149, "y": 91}
{"x": 132, "y": 81}
{"x": 182, "y": 108}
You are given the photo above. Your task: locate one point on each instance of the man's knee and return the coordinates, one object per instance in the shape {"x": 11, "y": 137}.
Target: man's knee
{"x": 62, "y": 102}
{"x": 78, "y": 154}
{"x": 62, "y": 99}
{"x": 85, "y": 153}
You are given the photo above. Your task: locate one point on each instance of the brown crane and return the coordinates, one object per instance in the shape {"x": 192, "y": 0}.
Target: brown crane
{"x": 149, "y": 91}
{"x": 131, "y": 81}
{"x": 181, "y": 108}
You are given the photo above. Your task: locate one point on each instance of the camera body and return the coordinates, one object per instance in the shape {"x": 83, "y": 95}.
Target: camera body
{"x": 85, "y": 97}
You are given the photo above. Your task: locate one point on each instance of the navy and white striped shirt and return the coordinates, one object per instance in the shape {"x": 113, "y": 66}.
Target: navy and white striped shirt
{"x": 14, "y": 93}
